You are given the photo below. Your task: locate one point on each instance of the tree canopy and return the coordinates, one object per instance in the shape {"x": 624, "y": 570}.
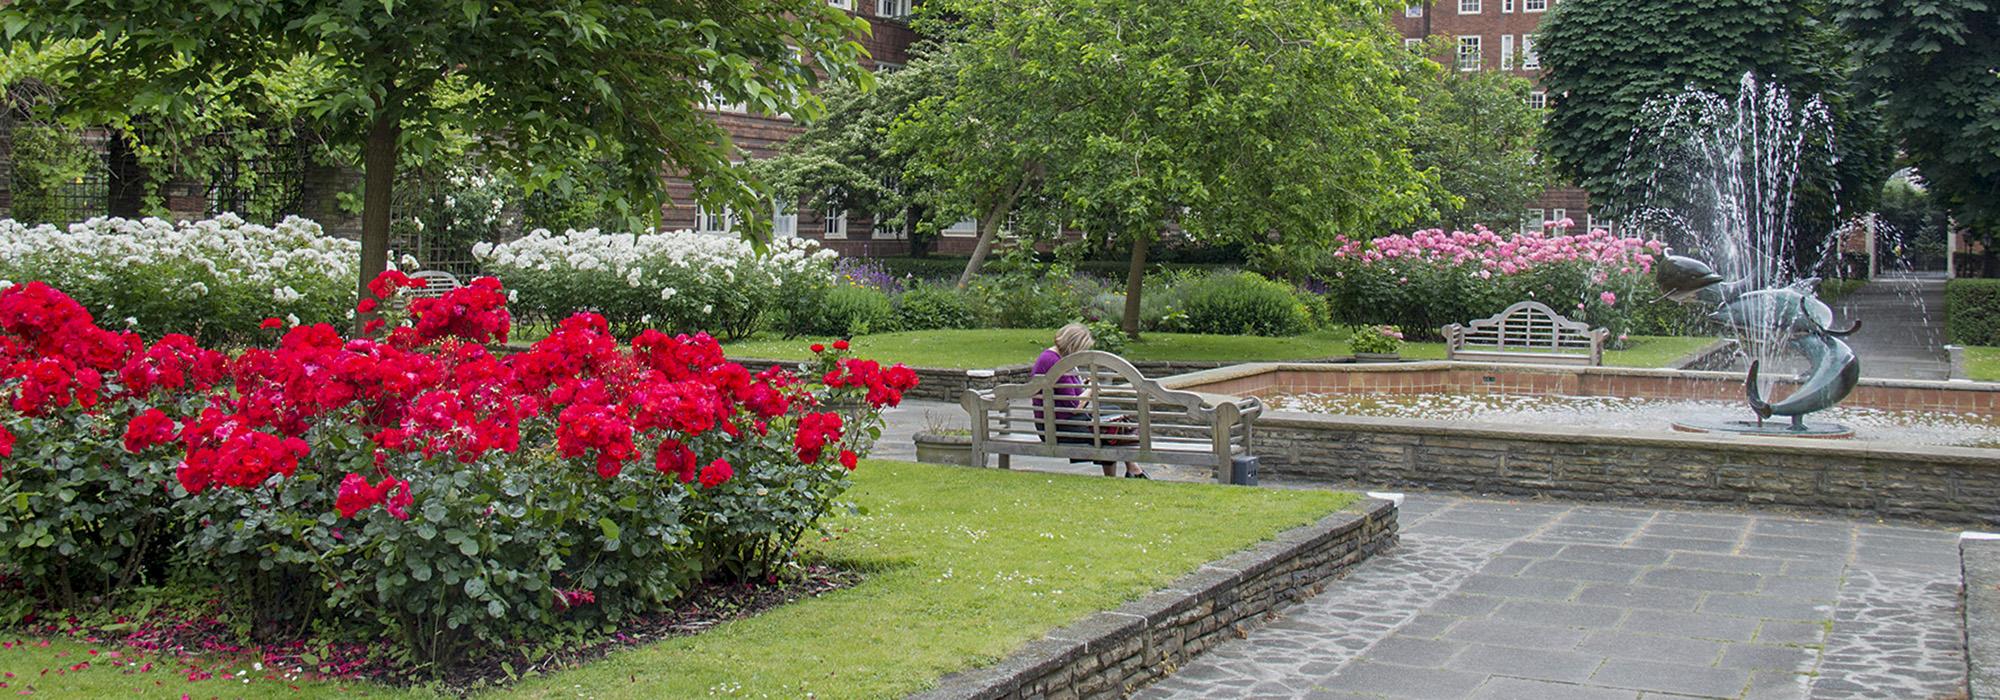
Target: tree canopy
{"x": 1604, "y": 60}
{"x": 1223, "y": 120}
{"x": 1478, "y": 134}
{"x": 549, "y": 86}
{"x": 1933, "y": 64}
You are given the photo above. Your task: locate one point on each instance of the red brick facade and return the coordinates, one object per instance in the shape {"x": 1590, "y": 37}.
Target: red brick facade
{"x": 1504, "y": 30}
{"x": 758, "y": 136}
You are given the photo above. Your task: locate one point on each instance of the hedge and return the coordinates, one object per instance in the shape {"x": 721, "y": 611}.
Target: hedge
{"x": 1972, "y": 311}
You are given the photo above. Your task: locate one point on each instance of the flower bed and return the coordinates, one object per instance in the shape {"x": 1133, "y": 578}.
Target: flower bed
{"x": 411, "y": 487}
{"x": 214, "y": 279}
{"x": 678, "y": 281}
{"x": 1427, "y": 279}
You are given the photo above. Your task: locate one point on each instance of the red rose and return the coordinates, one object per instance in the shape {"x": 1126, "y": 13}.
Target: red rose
{"x": 355, "y": 496}
{"x": 366, "y": 305}
{"x": 6, "y": 443}
{"x": 716, "y": 473}
{"x": 840, "y": 345}
{"x": 818, "y": 348}
{"x": 849, "y": 459}
{"x": 271, "y": 323}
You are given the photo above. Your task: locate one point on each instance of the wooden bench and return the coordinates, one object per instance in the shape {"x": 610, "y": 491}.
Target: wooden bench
{"x": 1528, "y": 332}
{"x": 436, "y": 284}
{"x": 1165, "y": 426}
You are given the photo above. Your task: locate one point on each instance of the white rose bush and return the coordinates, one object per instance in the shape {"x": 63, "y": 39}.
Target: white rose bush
{"x": 215, "y": 279}
{"x": 676, "y": 281}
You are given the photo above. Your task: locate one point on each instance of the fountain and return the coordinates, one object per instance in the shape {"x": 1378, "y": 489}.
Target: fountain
{"x": 1724, "y": 182}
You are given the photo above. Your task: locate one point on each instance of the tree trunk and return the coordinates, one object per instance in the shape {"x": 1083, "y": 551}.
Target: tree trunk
{"x": 989, "y": 229}
{"x": 378, "y": 172}
{"x": 1135, "y": 283}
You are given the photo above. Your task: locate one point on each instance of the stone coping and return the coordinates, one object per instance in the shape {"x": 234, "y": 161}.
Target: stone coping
{"x": 1113, "y": 653}
{"x": 1979, "y": 567}
{"x": 1251, "y": 369}
{"x": 1724, "y": 442}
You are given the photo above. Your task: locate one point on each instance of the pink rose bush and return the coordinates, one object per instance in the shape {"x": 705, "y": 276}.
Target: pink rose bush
{"x": 411, "y": 483}
{"x": 1426, "y": 279}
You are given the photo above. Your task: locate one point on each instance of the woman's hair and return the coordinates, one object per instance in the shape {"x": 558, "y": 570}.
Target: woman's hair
{"x": 1073, "y": 338}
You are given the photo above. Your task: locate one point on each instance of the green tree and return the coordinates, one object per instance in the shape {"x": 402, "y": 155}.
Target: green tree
{"x": 1477, "y": 133}
{"x": 1933, "y": 64}
{"x": 1604, "y": 60}
{"x": 549, "y": 86}
{"x": 1265, "y": 120}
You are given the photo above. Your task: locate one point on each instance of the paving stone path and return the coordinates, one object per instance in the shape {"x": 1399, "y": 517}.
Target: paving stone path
{"x": 1537, "y": 600}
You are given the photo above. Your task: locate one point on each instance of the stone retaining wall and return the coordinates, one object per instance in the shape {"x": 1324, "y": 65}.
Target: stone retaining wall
{"x": 1946, "y": 484}
{"x": 1111, "y": 654}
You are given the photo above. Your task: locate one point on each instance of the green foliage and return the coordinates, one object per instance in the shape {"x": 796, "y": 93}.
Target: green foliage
{"x": 45, "y": 160}
{"x": 1972, "y": 311}
{"x": 1476, "y": 133}
{"x": 1932, "y": 62}
{"x": 841, "y": 310}
{"x": 1245, "y": 303}
{"x": 1024, "y": 293}
{"x": 1914, "y": 223}
{"x": 1603, "y": 60}
{"x": 1108, "y": 336}
{"x": 928, "y": 306}
{"x": 1378, "y": 340}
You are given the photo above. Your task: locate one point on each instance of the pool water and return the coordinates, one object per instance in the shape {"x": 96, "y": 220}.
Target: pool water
{"x": 1639, "y": 414}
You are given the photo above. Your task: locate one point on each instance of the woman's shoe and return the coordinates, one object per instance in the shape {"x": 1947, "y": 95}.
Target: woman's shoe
{"x": 1140, "y": 475}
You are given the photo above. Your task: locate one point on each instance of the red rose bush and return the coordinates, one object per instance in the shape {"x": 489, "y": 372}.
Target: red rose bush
{"x": 410, "y": 482}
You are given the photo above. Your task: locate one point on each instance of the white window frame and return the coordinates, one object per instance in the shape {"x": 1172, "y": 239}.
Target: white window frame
{"x": 887, "y": 67}
{"x": 714, "y": 101}
{"x": 711, "y": 223}
{"x": 1538, "y": 99}
{"x": 890, "y": 234}
{"x": 1558, "y": 214}
{"x": 1607, "y": 224}
{"x": 784, "y": 219}
{"x": 1413, "y": 9}
{"x": 1534, "y": 5}
{"x": 1469, "y": 47}
{"x": 1532, "y": 221}
{"x": 1470, "y": 7}
{"x": 964, "y": 229}
{"x": 893, "y": 9}
{"x": 1507, "y": 7}
{"x": 833, "y": 224}
{"x": 1506, "y": 52}
{"x": 1413, "y": 44}
{"x": 842, "y": 4}
{"x": 1529, "y": 59}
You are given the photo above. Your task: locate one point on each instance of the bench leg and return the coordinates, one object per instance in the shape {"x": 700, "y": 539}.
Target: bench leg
{"x": 1006, "y": 461}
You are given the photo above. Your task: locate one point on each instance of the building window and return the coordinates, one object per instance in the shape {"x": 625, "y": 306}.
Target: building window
{"x": 1468, "y": 53}
{"x": 712, "y": 221}
{"x": 834, "y": 226}
{"x": 892, "y": 9}
{"x": 963, "y": 229}
{"x": 1529, "y": 61}
{"x": 1415, "y": 9}
{"x": 784, "y": 219}
{"x": 1538, "y": 99}
{"x": 1506, "y": 52}
{"x": 1534, "y": 5}
{"x": 1507, "y": 6}
{"x": 842, "y": 4}
{"x": 888, "y": 231}
{"x": 1531, "y": 222}
{"x": 887, "y": 67}
{"x": 717, "y": 102}
{"x": 1605, "y": 225}
{"x": 1413, "y": 44}
{"x": 1557, "y": 215}
{"x": 1468, "y": 7}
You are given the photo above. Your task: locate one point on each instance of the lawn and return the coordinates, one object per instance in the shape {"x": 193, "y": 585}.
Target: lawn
{"x": 963, "y": 566}
{"x": 1982, "y": 363}
{"x": 986, "y": 348}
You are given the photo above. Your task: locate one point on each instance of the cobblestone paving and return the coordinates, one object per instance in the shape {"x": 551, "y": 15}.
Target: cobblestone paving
{"x": 1537, "y": 600}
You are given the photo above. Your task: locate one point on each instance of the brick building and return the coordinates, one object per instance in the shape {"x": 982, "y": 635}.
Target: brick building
{"x": 1497, "y": 35}
{"x": 761, "y": 136}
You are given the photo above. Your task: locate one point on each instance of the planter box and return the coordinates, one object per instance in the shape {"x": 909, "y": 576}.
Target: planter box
{"x": 1378, "y": 357}
{"x": 944, "y": 449}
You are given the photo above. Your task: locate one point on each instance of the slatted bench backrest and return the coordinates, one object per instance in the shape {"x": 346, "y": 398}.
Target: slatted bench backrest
{"x": 1529, "y": 325}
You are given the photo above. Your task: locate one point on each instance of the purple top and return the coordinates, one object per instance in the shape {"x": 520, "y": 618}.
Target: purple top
{"x": 1043, "y": 364}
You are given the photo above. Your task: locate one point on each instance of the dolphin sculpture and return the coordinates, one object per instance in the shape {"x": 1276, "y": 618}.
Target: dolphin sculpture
{"x": 1794, "y": 312}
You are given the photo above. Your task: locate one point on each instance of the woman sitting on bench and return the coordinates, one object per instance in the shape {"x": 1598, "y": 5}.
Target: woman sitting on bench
{"x": 1071, "y": 339}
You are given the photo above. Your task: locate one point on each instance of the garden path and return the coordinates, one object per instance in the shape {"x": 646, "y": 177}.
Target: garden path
{"x": 1555, "y": 600}
{"x": 1902, "y": 332}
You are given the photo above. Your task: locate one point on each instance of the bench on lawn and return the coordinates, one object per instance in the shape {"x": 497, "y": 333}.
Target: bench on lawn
{"x": 1530, "y": 332}
{"x": 1150, "y": 423}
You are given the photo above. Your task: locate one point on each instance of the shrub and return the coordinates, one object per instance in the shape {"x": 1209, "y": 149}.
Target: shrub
{"x": 214, "y": 279}
{"x": 1380, "y": 340}
{"x": 929, "y": 306}
{"x": 1021, "y": 293}
{"x": 1428, "y": 279}
{"x": 677, "y": 281}
{"x": 1245, "y": 303}
{"x": 1972, "y": 311}
{"x": 842, "y": 310}
{"x": 415, "y": 487}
